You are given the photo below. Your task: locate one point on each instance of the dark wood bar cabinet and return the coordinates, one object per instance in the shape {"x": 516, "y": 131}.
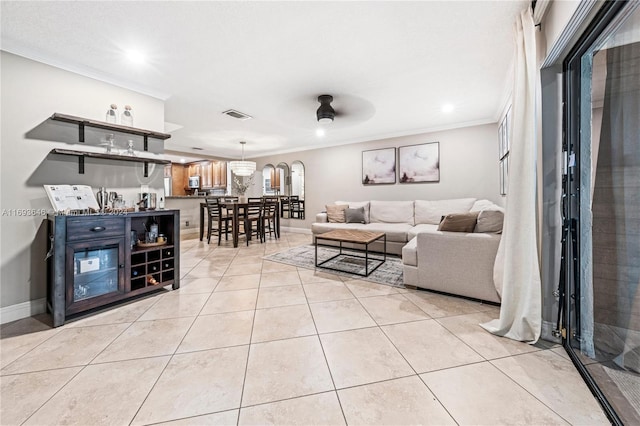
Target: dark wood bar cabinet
{"x": 93, "y": 261}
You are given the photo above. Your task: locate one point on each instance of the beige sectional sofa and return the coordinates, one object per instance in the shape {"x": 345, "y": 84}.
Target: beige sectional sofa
{"x": 451, "y": 262}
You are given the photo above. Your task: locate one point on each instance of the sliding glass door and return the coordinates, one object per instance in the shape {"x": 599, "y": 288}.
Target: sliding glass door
{"x": 602, "y": 208}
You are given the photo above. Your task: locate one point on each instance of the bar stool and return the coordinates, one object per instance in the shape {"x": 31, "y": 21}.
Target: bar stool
{"x": 269, "y": 218}
{"x": 216, "y": 214}
{"x": 285, "y": 206}
{"x": 297, "y": 208}
{"x": 253, "y": 214}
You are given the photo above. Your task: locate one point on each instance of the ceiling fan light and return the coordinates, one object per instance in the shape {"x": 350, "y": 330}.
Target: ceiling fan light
{"x": 325, "y": 112}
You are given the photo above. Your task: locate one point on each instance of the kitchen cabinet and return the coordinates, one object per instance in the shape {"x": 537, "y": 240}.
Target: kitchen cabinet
{"x": 206, "y": 174}
{"x": 93, "y": 264}
{"x": 194, "y": 169}
{"x": 220, "y": 175}
{"x": 178, "y": 179}
{"x": 213, "y": 174}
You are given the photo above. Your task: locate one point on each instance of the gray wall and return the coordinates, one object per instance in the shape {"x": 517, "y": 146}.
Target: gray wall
{"x": 32, "y": 92}
{"x": 468, "y": 168}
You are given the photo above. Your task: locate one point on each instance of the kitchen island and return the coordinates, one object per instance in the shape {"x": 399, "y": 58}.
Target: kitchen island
{"x": 189, "y": 206}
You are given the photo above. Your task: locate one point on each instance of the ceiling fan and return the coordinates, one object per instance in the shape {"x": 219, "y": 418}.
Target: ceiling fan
{"x": 325, "y": 113}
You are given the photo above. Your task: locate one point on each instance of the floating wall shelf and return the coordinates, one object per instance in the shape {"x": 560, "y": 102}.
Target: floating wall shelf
{"x": 82, "y": 154}
{"x": 85, "y": 122}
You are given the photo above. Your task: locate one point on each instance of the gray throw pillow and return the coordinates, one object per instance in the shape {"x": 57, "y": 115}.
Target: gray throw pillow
{"x": 354, "y": 215}
{"x": 490, "y": 221}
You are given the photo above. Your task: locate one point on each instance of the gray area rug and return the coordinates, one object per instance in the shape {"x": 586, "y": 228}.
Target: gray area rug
{"x": 389, "y": 273}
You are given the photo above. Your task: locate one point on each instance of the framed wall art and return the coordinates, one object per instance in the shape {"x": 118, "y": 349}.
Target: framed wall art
{"x": 379, "y": 166}
{"x": 419, "y": 163}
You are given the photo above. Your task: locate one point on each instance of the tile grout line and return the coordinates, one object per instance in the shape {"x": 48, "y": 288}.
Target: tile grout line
{"x": 324, "y": 354}
{"x": 246, "y": 365}
{"x": 54, "y": 394}
{"x": 522, "y": 387}
{"x": 83, "y": 367}
{"x": 166, "y": 365}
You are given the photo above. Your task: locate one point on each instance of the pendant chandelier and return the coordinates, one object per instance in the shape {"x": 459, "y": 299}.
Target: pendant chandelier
{"x": 242, "y": 168}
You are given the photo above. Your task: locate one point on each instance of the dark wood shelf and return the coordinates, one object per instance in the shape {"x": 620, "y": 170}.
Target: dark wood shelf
{"x": 116, "y": 157}
{"x": 137, "y": 249}
{"x": 82, "y": 154}
{"x": 80, "y": 121}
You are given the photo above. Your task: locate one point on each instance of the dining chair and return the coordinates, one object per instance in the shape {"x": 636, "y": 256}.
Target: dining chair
{"x": 297, "y": 209}
{"x": 285, "y": 206}
{"x": 269, "y": 219}
{"x": 253, "y": 214}
{"x": 218, "y": 216}
{"x": 254, "y": 199}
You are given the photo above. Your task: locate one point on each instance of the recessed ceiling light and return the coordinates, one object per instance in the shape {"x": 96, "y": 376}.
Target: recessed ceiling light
{"x": 135, "y": 56}
{"x": 320, "y": 133}
{"x": 447, "y": 108}
{"x": 182, "y": 160}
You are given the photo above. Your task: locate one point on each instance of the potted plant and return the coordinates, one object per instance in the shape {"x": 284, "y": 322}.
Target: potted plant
{"x": 241, "y": 187}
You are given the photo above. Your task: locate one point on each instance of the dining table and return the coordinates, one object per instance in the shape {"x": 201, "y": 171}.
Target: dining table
{"x": 236, "y": 207}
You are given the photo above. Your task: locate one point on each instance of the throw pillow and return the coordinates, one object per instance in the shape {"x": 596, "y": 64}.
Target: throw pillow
{"x": 490, "y": 221}
{"x": 354, "y": 215}
{"x": 459, "y": 222}
{"x": 335, "y": 213}
{"x": 356, "y": 204}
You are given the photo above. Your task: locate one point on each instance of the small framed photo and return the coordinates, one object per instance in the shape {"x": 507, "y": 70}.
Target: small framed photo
{"x": 419, "y": 163}
{"x": 379, "y": 166}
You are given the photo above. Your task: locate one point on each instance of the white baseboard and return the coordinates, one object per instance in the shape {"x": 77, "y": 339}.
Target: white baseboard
{"x": 22, "y": 310}
{"x": 191, "y": 230}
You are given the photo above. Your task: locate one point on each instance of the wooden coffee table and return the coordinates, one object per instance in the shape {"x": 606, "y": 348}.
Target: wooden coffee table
{"x": 352, "y": 236}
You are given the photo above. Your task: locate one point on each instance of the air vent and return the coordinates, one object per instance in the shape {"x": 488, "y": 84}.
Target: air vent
{"x": 237, "y": 114}
{"x": 195, "y": 148}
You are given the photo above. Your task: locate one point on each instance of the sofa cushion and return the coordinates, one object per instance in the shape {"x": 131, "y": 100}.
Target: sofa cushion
{"x": 432, "y": 211}
{"x": 355, "y": 205}
{"x": 410, "y": 253}
{"x": 392, "y": 212}
{"x": 459, "y": 222}
{"x": 490, "y": 221}
{"x": 397, "y": 232}
{"x": 321, "y": 228}
{"x": 354, "y": 215}
{"x": 423, "y": 227}
{"x": 480, "y": 205}
{"x": 335, "y": 214}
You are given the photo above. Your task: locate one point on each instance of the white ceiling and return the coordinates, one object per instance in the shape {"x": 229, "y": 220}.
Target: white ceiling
{"x": 389, "y": 65}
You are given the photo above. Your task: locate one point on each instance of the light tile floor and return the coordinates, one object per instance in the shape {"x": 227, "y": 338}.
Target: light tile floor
{"x": 248, "y": 341}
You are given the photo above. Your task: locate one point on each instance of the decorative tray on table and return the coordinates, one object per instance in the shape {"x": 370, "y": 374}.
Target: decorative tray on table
{"x": 144, "y": 245}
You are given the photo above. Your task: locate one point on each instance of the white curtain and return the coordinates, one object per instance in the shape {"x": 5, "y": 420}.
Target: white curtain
{"x": 517, "y": 271}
